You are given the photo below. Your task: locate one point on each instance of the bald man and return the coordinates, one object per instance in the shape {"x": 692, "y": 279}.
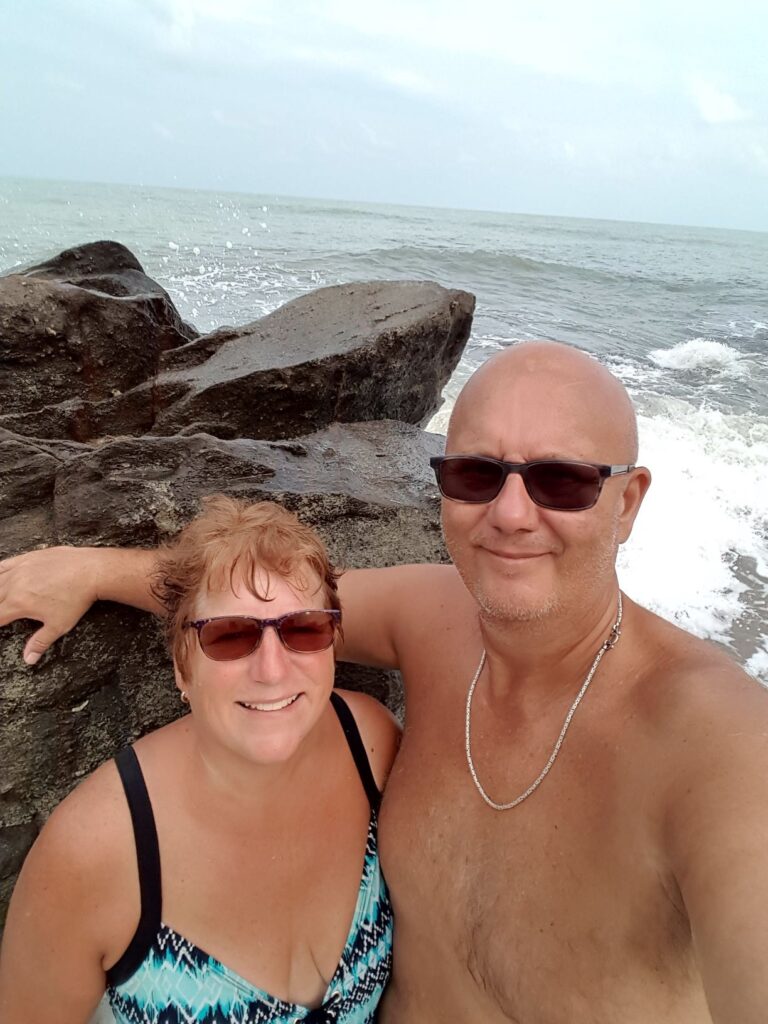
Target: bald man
{"x": 576, "y": 827}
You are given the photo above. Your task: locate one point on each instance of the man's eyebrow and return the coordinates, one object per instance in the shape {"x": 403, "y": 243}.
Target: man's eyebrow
{"x": 557, "y": 456}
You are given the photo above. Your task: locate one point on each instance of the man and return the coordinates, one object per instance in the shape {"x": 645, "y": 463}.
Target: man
{"x": 576, "y": 827}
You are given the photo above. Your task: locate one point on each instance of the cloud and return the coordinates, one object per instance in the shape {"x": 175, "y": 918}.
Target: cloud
{"x": 714, "y": 106}
{"x": 409, "y": 81}
{"x": 759, "y": 152}
{"x": 162, "y": 130}
{"x": 185, "y": 26}
{"x": 402, "y": 78}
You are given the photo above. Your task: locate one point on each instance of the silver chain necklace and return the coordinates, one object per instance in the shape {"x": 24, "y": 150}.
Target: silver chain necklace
{"x": 612, "y": 640}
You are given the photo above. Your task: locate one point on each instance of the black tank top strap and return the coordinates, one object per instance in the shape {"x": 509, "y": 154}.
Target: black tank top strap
{"x": 357, "y": 748}
{"x": 148, "y": 857}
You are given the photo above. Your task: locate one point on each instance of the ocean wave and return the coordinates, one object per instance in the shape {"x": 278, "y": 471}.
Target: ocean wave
{"x": 471, "y": 264}
{"x": 700, "y": 354}
{"x": 699, "y": 547}
{"x": 757, "y": 664}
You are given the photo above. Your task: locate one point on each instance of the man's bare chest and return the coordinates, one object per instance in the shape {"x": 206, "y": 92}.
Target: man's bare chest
{"x": 562, "y": 891}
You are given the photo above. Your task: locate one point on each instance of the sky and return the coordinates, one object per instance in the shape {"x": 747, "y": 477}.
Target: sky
{"x": 650, "y": 111}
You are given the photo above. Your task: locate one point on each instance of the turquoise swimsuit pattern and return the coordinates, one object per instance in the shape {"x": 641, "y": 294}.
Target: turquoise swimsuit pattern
{"x": 164, "y": 979}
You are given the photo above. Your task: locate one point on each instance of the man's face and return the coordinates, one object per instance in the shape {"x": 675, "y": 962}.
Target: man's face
{"x": 522, "y": 562}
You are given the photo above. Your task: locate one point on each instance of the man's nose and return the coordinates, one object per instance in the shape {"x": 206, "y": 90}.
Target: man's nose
{"x": 513, "y": 508}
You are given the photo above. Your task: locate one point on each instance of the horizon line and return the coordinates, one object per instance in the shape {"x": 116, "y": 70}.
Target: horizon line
{"x": 378, "y": 202}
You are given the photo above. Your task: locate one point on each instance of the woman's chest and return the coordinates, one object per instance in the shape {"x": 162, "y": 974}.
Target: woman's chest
{"x": 274, "y": 904}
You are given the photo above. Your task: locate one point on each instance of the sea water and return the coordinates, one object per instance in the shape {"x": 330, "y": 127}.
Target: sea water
{"x": 679, "y": 314}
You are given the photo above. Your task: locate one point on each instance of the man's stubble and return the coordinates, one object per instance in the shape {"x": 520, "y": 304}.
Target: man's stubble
{"x": 578, "y": 583}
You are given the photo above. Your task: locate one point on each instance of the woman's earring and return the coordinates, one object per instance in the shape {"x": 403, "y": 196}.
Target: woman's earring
{"x": 184, "y": 697}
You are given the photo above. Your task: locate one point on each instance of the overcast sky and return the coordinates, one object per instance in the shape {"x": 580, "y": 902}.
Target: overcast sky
{"x": 654, "y": 110}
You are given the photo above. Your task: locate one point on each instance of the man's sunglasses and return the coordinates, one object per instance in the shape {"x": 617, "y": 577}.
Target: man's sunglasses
{"x": 229, "y": 637}
{"x": 551, "y": 483}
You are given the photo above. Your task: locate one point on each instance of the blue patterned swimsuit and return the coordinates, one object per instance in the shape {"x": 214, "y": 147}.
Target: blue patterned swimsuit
{"x": 162, "y": 978}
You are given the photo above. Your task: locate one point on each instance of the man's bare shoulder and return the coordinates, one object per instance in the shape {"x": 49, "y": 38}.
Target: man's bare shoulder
{"x": 421, "y": 575}
{"x": 705, "y": 721}
{"x": 685, "y": 680}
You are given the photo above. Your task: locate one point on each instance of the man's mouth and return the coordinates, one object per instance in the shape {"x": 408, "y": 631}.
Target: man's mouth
{"x": 514, "y": 556}
{"x": 270, "y": 705}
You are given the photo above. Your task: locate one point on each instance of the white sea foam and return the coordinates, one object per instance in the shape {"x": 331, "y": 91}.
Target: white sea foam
{"x": 758, "y": 665}
{"x": 707, "y": 509}
{"x": 699, "y": 354}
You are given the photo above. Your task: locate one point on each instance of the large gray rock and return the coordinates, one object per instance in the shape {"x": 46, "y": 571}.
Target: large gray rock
{"x": 28, "y": 469}
{"x": 378, "y": 350}
{"x": 80, "y": 329}
{"x": 116, "y": 419}
{"x": 366, "y": 487}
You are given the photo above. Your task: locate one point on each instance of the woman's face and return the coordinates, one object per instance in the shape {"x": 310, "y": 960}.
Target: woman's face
{"x": 264, "y": 705}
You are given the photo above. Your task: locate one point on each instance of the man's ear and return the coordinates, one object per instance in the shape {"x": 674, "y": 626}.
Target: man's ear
{"x": 632, "y": 498}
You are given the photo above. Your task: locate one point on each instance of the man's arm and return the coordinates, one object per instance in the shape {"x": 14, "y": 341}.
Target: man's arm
{"x": 718, "y": 829}
{"x": 382, "y": 607}
{"x": 57, "y": 586}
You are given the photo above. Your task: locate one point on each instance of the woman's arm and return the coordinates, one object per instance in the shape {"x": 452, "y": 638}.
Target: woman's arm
{"x": 67, "y": 917}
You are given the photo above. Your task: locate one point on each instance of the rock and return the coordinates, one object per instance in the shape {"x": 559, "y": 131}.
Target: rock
{"x": 381, "y": 350}
{"x": 366, "y": 487}
{"x": 15, "y": 840}
{"x": 81, "y": 329}
{"x": 28, "y": 469}
{"x": 116, "y": 418}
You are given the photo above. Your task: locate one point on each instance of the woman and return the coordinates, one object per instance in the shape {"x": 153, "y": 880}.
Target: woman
{"x": 211, "y": 872}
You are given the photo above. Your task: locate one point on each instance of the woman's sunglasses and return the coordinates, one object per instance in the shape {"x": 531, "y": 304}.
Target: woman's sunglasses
{"x": 551, "y": 483}
{"x": 229, "y": 637}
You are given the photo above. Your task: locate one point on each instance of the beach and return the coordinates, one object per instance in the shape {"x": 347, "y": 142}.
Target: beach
{"x": 679, "y": 314}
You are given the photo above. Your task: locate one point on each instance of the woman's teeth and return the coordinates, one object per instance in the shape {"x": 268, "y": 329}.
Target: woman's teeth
{"x": 275, "y": 705}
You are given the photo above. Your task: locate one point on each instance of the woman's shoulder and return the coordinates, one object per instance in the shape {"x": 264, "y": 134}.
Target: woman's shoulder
{"x": 87, "y": 842}
{"x": 82, "y": 866}
{"x": 379, "y": 729}
{"x": 90, "y": 821}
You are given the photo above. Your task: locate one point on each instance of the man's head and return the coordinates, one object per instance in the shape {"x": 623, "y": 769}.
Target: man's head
{"x": 542, "y": 400}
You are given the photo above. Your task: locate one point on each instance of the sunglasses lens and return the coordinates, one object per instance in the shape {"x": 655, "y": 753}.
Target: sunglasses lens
{"x": 568, "y": 486}
{"x": 229, "y": 639}
{"x": 308, "y": 632}
{"x": 470, "y": 479}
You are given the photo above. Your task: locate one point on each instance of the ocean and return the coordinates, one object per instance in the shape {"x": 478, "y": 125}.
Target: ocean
{"x": 679, "y": 314}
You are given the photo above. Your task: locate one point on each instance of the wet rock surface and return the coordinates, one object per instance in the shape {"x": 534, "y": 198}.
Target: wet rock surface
{"x": 82, "y": 328}
{"x": 316, "y": 406}
{"x": 89, "y": 347}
